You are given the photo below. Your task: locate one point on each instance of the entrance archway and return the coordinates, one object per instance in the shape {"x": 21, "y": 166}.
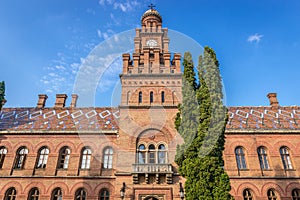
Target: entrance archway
{"x": 151, "y": 198}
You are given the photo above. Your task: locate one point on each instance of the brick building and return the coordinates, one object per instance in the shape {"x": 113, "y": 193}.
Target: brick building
{"x": 127, "y": 152}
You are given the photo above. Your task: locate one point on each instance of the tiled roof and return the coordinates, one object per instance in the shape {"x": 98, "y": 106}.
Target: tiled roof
{"x": 106, "y": 119}
{"x": 287, "y": 117}
{"x": 31, "y": 119}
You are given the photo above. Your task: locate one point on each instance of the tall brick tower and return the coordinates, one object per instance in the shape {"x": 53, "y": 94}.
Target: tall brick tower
{"x": 151, "y": 91}
{"x": 150, "y": 76}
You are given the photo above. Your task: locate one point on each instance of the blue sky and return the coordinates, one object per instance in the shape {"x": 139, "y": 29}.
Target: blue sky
{"x": 43, "y": 44}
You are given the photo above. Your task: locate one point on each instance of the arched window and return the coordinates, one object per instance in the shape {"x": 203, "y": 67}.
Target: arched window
{"x": 33, "y": 194}
{"x": 3, "y": 152}
{"x": 21, "y": 158}
{"x": 247, "y": 194}
{"x": 263, "y": 158}
{"x": 285, "y": 157}
{"x": 108, "y": 158}
{"x": 240, "y": 158}
{"x": 141, "y": 154}
{"x": 271, "y": 194}
{"x": 140, "y": 97}
{"x": 104, "y": 194}
{"x": 161, "y": 154}
{"x": 163, "y": 97}
{"x": 42, "y": 157}
{"x": 86, "y": 158}
{"x": 56, "y": 194}
{"x": 80, "y": 194}
{"x": 10, "y": 194}
{"x": 151, "y": 153}
{"x": 151, "y": 97}
{"x": 64, "y": 156}
{"x": 295, "y": 194}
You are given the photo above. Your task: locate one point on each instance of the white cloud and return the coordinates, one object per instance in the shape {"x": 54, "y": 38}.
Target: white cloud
{"x": 123, "y": 5}
{"x": 255, "y": 38}
{"x": 99, "y": 33}
{"x": 101, "y": 2}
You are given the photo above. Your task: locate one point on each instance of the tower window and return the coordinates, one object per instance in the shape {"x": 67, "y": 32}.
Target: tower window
{"x": 56, "y": 194}
{"x": 151, "y": 97}
{"x": 33, "y": 194}
{"x": 163, "y": 97}
{"x": 10, "y": 194}
{"x": 247, "y": 194}
{"x": 3, "y": 152}
{"x": 271, "y": 194}
{"x": 104, "y": 194}
{"x": 151, "y": 154}
{"x": 263, "y": 158}
{"x": 43, "y": 157}
{"x": 21, "y": 157}
{"x": 285, "y": 157}
{"x": 64, "y": 157}
{"x": 80, "y": 194}
{"x": 86, "y": 158}
{"x": 142, "y": 154}
{"x": 295, "y": 194}
{"x": 240, "y": 158}
{"x": 108, "y": 158}
{"x": 140, "y": 97}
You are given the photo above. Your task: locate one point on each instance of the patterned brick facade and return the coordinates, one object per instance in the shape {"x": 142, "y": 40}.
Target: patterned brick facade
{"x": 128, "y": 152}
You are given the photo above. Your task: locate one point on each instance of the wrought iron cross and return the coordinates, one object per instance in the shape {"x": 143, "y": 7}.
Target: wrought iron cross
{"x": 151, "y": 6}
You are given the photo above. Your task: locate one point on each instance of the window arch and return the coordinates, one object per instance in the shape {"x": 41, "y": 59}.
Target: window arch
{"x": 56, "y": 194}
{"x": 240, "y": 158}
{"x": 21, "y": 158}
{"x": 285, "y": 158}
{"x": 141, "y": 154}
{"x": 104, "y": 194}
{"x": 263, "y": 158}
{"x": 86, "y": 158}
{"x": 140, "y": 97}
{"x": 162, "y": 159}
{"x": 80, "y": 194}
{"x": 10, "y": 194}
{"x": 108, "y": 158}
{"x": 295, "y": 194}
{"x": 163, "y": 97}
{"x": 151, "y": 97}
{"x": 271, "y": 194}
{"x": 3, "y": 152}
{"x": 247, "y": 194}
{"x": 151, "y": 153}
{"x": 42, "y": 157}
{"x": 34, "y": 194}
{"x": 64, "y": 157}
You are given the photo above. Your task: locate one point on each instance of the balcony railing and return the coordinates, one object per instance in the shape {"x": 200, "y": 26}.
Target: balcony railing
{"x": 152, "y": 168}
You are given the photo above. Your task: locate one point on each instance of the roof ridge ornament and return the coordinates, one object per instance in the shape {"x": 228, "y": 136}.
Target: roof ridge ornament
{"x": 152, "y": 6}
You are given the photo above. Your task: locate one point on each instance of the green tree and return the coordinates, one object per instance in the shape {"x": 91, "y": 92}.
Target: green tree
{"x": 186, "y": 121}
{"x": 202, "y": 164}
{"x": 2, "y": 94}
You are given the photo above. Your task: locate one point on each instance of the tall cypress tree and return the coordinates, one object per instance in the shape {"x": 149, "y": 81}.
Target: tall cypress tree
{"x": 202, "y": 165}
{"x": 2, "y": 94}
{"x": 187, "y": 119}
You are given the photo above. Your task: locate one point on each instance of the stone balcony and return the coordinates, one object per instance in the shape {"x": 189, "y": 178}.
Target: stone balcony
{"x": 152, "y": 168}
{"x": 157, "y": 171}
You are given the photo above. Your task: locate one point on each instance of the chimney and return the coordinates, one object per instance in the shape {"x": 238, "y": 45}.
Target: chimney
{"x": 273, "y": 100}
{"x": 60, "y": 100}
{"x": 74, "y": 100}
{"x": 42, "y": 101}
